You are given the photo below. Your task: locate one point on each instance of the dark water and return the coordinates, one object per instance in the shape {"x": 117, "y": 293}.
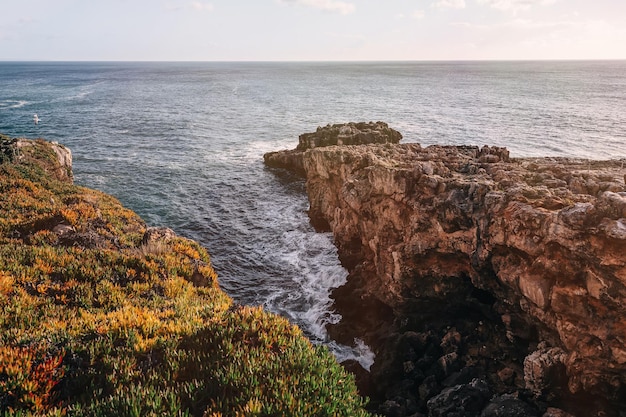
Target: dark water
{"x": 182, "y": 144}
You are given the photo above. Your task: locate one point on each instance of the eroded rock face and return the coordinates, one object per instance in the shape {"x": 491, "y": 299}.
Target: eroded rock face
{"x": 349, "y": 134}
{"x": 58, "y": 167}
{"x": 337, "y": 134}
{"x": 544, "y": 369}
{"x": 542, "y": 242}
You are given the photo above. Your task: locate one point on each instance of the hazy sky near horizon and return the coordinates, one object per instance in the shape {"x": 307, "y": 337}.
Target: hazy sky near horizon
{"x": 311, "y": 30}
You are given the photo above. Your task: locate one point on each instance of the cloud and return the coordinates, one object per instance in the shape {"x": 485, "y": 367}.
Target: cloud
{"x": 207, "y": 7}
{"x": 334, "y": 6}
{"x": 195, "y": 5}
{"x": 599, "y": 34}
{"x": 449, "y": 4}
{"x": 347, "y": 36}
{"x": 515, "y": 5}
{"x": 520, "y": 24}
{"x": 418, "y": 14}
{"x": 567, "y": 38}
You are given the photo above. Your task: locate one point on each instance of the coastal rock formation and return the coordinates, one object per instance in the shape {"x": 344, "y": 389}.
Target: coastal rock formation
{"x": 57, "y": 164}
{"x": 337, "y": 134}
{"x": 537, "y": 245}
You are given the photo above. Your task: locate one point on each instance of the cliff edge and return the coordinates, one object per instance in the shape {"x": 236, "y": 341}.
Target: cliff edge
{"x": 101, "y": 315}
{"x": 338, "y": 134}
{"x": 534, "y": 248}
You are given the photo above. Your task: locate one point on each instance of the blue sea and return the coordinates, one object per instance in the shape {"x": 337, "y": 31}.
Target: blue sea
{"x": 182, "y": 145}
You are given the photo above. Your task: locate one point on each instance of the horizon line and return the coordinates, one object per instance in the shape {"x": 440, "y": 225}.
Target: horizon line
{"x": 311, "y": 61}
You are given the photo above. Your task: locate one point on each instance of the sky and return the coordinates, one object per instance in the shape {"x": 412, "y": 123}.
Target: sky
{"x": 311, "y": 30}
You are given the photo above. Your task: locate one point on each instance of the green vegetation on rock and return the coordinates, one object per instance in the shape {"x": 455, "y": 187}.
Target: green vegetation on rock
{"x": 98, "y": 319}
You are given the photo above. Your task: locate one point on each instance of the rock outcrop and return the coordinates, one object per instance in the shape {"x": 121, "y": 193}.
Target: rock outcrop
{"x": 57, "y": 164}
{"x": 533, "y": 249}
{"x": 337, "y": 134}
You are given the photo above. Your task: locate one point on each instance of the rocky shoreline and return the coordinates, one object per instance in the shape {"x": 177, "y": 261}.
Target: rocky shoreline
{"x": 487, "y": 285}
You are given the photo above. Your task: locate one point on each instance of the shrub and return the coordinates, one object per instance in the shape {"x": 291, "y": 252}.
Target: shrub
{"x": 92, "y": 323}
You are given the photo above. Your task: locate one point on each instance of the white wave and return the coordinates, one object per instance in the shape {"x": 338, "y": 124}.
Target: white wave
{"x": 314, "y": 256}
{"x": 249, "y": 154}
{"x": 80, "y": 95}
{"x": 12, "y": 104}
{"x": 360, "y": 352}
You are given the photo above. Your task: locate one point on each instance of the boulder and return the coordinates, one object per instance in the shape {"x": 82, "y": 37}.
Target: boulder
{"x": 509, "y": 406}
{"x": 461, "y": 401}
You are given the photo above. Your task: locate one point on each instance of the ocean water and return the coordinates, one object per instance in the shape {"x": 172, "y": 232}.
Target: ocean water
{"x": 182, "y": 145}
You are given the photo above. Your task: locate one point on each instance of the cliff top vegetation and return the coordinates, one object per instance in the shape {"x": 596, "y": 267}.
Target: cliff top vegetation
{"x": 102, "y": 316}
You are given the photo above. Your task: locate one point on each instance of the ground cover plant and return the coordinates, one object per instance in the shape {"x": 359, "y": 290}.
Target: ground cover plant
{"x": 101, "y": 317}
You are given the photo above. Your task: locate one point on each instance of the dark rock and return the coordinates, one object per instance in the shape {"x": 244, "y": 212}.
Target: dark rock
{"x": 464, "y": 376}
{"x": 506, "y": 375}
{"x": 392, "y": 409}
{"x": 449, "y": 363}
{"x": 8, "y": 149}
{"x": 462, "y": 400}
{"x": 509, "y": 406}
{"x": 416, "y": 341}
{"x": 429, "y": 388}
{"x": 451, "y": 340}
{"x": 545, "y": 369}
{"x": 89, "y": 239}
{"x": 363, "y": 377}
{"x": 556, "y": 412}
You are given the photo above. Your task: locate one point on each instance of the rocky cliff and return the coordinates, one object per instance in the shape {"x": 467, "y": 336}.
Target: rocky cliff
{"x": 464, "y": 254}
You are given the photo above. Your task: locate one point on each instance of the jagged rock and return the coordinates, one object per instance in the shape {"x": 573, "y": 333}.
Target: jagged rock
{"x": 392, "y": 409}
{"x": 64, "y": 155}
{"x": 157, "y": 234}
{"x": 544, "y": 369}
{"x": 429, "y": 388}
{"x": 460, "y": 401}
{"x": 330, "y": 135}
{"x": 63, "y": 229}
{"x": 506, "y": 375}
{"x": 291, "y": 160}
{"x": 464, "y": 376}
{"x": 556, "y": 412}
{"x": 451, "y": 340}
{"x": 449, "y": 363}
{"x": 349, "y": 134}
{"x": 540, "y": 242}
{"x": 61, "y": 167}
{"x": 509, "y": 406}
{"x": 8, "y": 149}
{"x": 521, "y": 242}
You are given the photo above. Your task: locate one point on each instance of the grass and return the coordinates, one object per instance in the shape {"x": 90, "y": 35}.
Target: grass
{"x": 96, "y": 322}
